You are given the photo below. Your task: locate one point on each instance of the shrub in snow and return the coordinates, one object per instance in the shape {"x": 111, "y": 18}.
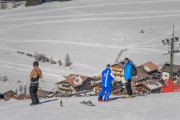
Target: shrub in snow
{"x": 20, "y": 52}
{"x": 52, "y": 61}
{"x": 25, "y": 90}
{"x": 19, "y": 81}
{"x": 60, "y": 62}
{"x": 41, "y": 57}
{"x": 3, "y": 5}
{"x": 5, "y": 78}
{"x": 142, "y": 31}
{"x": 29, "y": 55}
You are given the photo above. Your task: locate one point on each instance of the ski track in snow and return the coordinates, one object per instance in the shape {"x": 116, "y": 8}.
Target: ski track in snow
{"x": 94, "y": 19}
{"x": 131, "y": 47}
{"x": 100, "y": 19}
{"x": 28, "y": 68}
{"x": 106, "y": 14}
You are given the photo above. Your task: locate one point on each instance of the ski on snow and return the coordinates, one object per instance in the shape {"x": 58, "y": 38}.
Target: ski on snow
{"x": 88, "y": 103}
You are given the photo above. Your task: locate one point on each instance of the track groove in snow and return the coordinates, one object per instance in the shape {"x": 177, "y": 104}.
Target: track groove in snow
{"x": 170, "y": 13}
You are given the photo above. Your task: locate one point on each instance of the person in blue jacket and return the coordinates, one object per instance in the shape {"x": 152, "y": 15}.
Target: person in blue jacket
{"x": 107, "y": 79}
{"x": 128, "y": 75}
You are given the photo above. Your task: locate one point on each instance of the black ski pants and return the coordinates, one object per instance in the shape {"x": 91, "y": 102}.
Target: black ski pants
{"x": 128, "y": 87}
{"x": 33, "y": 89}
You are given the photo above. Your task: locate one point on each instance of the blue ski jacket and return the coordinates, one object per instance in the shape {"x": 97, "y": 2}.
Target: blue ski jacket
{"x": 128, "y": 71}
{"x": 107, "y": 78}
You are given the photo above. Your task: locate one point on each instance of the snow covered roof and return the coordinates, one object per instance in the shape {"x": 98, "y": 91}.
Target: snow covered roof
{"x": 151, "y": 85}
{"x": 75, "y": 80}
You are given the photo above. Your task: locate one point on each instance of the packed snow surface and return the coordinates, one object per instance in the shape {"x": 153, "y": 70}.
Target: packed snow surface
{"x": 92, "y": 32}
{"x": 145, "y": 107}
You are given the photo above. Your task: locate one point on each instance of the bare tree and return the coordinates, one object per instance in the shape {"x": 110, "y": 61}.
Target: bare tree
{"x": 51, "y": 60}
{"x": 20, "y": 89}
{"x": 16, "y": 91}
{"x": 67, "y": 61}
{"x": 14, "y": 4}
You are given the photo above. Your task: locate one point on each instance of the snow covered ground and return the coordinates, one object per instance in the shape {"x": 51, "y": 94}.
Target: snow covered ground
{"x": 148, "y": 107}
{"x": 93, "y": 32}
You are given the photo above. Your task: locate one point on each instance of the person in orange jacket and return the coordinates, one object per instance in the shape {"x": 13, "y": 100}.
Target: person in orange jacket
{"x": 35, "y": 75}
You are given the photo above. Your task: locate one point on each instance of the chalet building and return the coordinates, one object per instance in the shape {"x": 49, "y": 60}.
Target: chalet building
{"x": 150, "y": 67}
{"x": 141, "y": 76}
{"x": 147, "y": 76}
{"x": 97, "y": 87}
{"x": 150, "y": 86}
{"x": 147, "y": 71}
{"x": 21, "y": 97}
{"x": 74, "y": 83}
{"x": 118, "y": 71}
{"x": 165, "y": 70}
{"x": 116, "y": 89}
{"x": 9, "y": 94}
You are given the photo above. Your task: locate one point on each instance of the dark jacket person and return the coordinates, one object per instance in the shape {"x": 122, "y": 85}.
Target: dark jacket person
{"x": 128, "y": 75}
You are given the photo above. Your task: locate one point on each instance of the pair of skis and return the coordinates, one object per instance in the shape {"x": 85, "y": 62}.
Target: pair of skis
{"x": 128, "y": 97}
{"x": 88, "y": 103}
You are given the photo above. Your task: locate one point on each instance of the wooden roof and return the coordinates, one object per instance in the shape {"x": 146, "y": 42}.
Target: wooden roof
{"x": 72, "y": 78}
{"x": 150, "y": 66}
{"x": 10, "y": 92}
{"x": 151, "y": 85}
{"x": 121, "y": 64}
{"x": 166, "y": 68}
{"x": 141, "y": 74}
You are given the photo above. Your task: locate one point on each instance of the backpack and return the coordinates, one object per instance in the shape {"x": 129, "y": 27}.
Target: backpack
{"x": 134, "y": 70}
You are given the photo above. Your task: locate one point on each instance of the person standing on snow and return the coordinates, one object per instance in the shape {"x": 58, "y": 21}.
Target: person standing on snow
{"x": 107, "y": 79}
{"x": 35, "y": 75}
{"x": 128, "y": 76}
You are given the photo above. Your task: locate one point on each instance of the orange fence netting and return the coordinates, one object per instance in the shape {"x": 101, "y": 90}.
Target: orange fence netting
{"x": 171, "y": 87}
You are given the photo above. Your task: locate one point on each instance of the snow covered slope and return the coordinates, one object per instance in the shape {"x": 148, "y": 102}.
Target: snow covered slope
{"x": 148, "y": 107}
{"x": 92, "y": 31}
